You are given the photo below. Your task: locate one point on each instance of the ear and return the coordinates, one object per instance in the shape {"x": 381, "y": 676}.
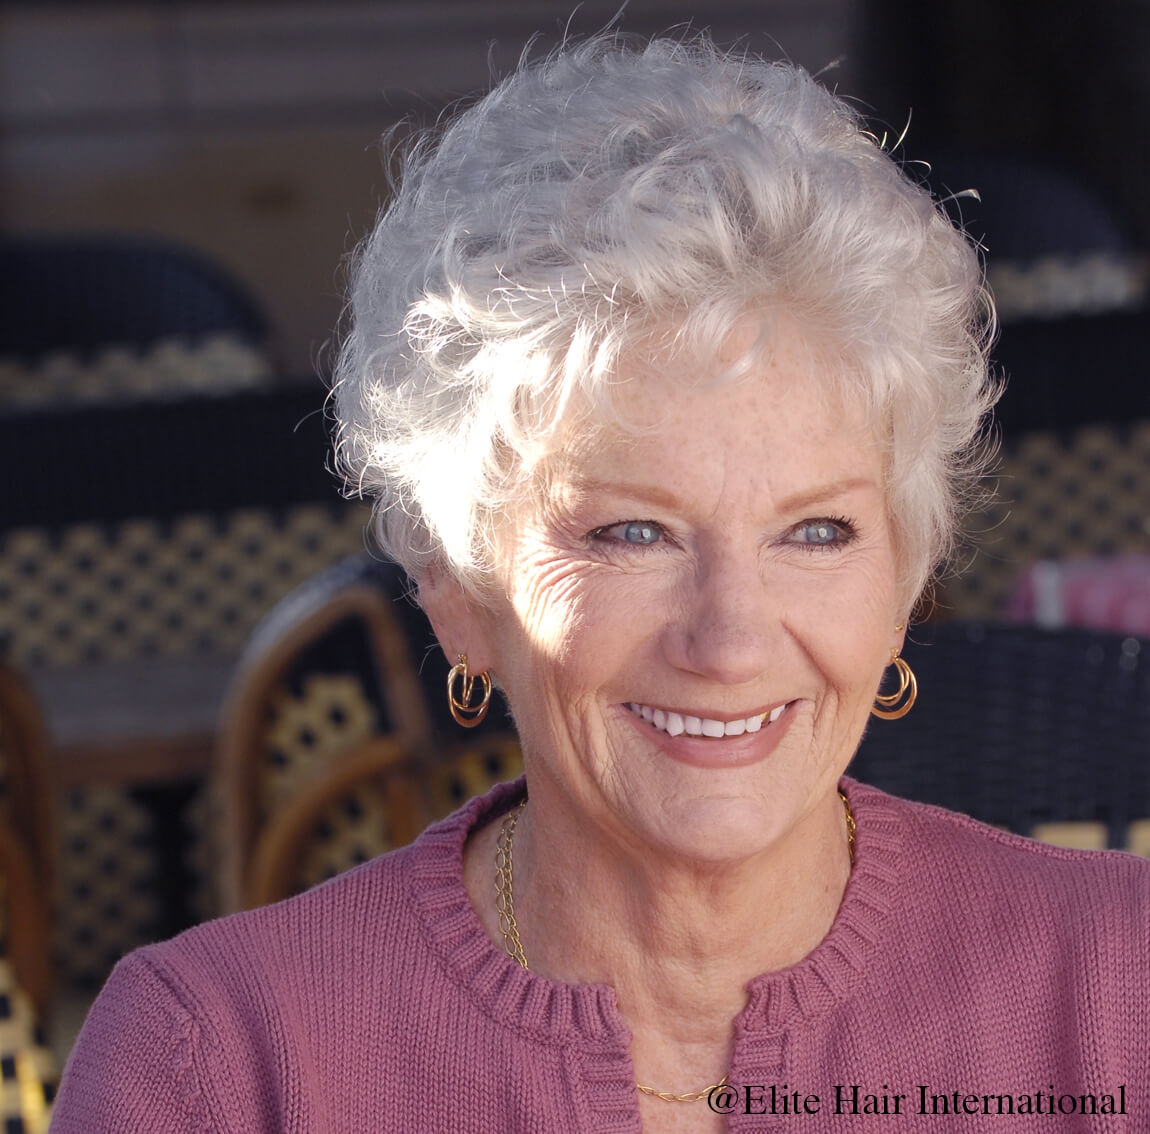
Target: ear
{"x": 900, "y": 635}
{"x": 456, "y": 618}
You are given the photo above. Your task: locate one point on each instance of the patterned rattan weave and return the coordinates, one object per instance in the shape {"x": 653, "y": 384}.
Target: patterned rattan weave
{"x": 1019, "y": 727}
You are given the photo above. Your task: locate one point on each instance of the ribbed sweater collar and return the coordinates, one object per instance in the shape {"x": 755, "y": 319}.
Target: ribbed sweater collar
{"x": 554, "y": 1012}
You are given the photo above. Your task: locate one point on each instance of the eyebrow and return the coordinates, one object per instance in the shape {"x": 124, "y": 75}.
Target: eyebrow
{"x": 800, "y": 501}
{"x": 659, "y": 497}
{"x": 647, "y": 493}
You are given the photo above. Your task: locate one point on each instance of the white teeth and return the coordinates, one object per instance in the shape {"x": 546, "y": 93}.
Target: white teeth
{"x": 676, "y": 724}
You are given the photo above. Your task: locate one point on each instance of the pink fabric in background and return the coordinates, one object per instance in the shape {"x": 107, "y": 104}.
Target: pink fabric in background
{"x": 1104, "y": 594}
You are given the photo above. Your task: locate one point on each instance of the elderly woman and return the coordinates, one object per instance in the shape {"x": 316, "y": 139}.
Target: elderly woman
{"x": 669, "y": 382}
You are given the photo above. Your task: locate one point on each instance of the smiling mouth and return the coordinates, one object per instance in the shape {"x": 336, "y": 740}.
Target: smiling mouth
{"x": 677, "y": 724}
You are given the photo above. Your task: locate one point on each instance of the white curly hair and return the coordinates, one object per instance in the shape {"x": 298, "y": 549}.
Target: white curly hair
{"x": 618, "y": 198}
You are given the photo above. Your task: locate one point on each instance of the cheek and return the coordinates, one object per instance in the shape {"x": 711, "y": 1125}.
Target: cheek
{"x": 846, "y": 624}
{"x": 575, "y": 622}
{"x": 545, "y": 604}
{"x": 555, "y": 604}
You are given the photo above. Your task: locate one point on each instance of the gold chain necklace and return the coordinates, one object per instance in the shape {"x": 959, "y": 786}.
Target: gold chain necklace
{"x": 509, "y": 927}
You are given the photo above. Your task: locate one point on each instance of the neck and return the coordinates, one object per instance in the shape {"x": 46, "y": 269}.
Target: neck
{"x": 678, "y": 941}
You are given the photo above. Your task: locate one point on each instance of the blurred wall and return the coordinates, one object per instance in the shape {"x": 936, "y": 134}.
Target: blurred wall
{"x": 1066, "y": 85}
{"x": 250, "y": 130}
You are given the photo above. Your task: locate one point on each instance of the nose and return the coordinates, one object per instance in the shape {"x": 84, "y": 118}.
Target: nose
{"x": 728, "y": 619}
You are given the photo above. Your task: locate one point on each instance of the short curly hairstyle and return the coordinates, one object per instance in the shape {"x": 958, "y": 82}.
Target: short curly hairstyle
{"x": 620, "y": 194}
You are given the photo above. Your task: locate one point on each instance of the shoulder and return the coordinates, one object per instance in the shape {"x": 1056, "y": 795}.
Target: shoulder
{"x": 369, "y": 924}
{"x": 934, "y": 828}
{"x": 986, "y": 936}
{"x": 192, "y": 1033}
{"x": 983, "y": 867}
{"x": 363, "y": 925}
{"x": 291, "y": 943}
{"x": 210, "y": 1022}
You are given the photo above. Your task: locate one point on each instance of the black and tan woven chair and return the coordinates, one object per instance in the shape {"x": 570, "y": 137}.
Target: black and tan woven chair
{"x": 28, "y": 1073}
{"x": 26, "y": 792}
{"x": 379, "y": 797}
{"x": 1073, "y": 297}
{"x": 368, "y": 803}
{"x": 96, "y": 317}
{"x": 1052, "y": 244}
{"x": 473, "y": 766}
{"x": 1060, "y": 495}
{"x": 183, "y": 494}
{"x": 345, "y": 660}
{"x": 329, "y": 669}
{"x": 1043, "y": 732}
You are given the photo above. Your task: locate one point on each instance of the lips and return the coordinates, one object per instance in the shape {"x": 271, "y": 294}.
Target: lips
{"x": 676, "y": 724}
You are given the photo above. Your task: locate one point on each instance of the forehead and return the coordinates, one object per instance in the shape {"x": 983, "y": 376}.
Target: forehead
{"x": 782, "y": 427}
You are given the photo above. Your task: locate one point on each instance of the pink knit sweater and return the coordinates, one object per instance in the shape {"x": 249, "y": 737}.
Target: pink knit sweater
{"x": 968, "y": 971}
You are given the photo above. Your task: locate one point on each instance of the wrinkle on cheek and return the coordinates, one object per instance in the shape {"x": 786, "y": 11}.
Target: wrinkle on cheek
{"x": 547, "y": 600}
{"x": 856, "y": 587}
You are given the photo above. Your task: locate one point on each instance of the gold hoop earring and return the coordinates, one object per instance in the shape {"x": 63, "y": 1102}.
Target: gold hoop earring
{"x": 890, "y": 709}
{"x": 464, "y": 712}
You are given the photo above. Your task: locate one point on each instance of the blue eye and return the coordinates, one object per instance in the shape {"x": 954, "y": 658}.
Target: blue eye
{"x": 640, "y": 533}
{"x": 823, "y": 532}
{"x": 818, "y": 533}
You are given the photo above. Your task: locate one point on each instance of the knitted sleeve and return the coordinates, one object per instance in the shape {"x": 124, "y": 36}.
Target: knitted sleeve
{"x": 140, "y": 1063}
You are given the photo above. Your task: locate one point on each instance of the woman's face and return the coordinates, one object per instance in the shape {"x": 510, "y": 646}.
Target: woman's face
{"x": 732, "y": 571}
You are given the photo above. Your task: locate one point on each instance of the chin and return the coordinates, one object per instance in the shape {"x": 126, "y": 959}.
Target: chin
{"x": 718, "y": 830}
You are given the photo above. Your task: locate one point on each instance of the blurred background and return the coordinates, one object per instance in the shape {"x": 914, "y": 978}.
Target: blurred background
{"x": 180, "y": 184}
